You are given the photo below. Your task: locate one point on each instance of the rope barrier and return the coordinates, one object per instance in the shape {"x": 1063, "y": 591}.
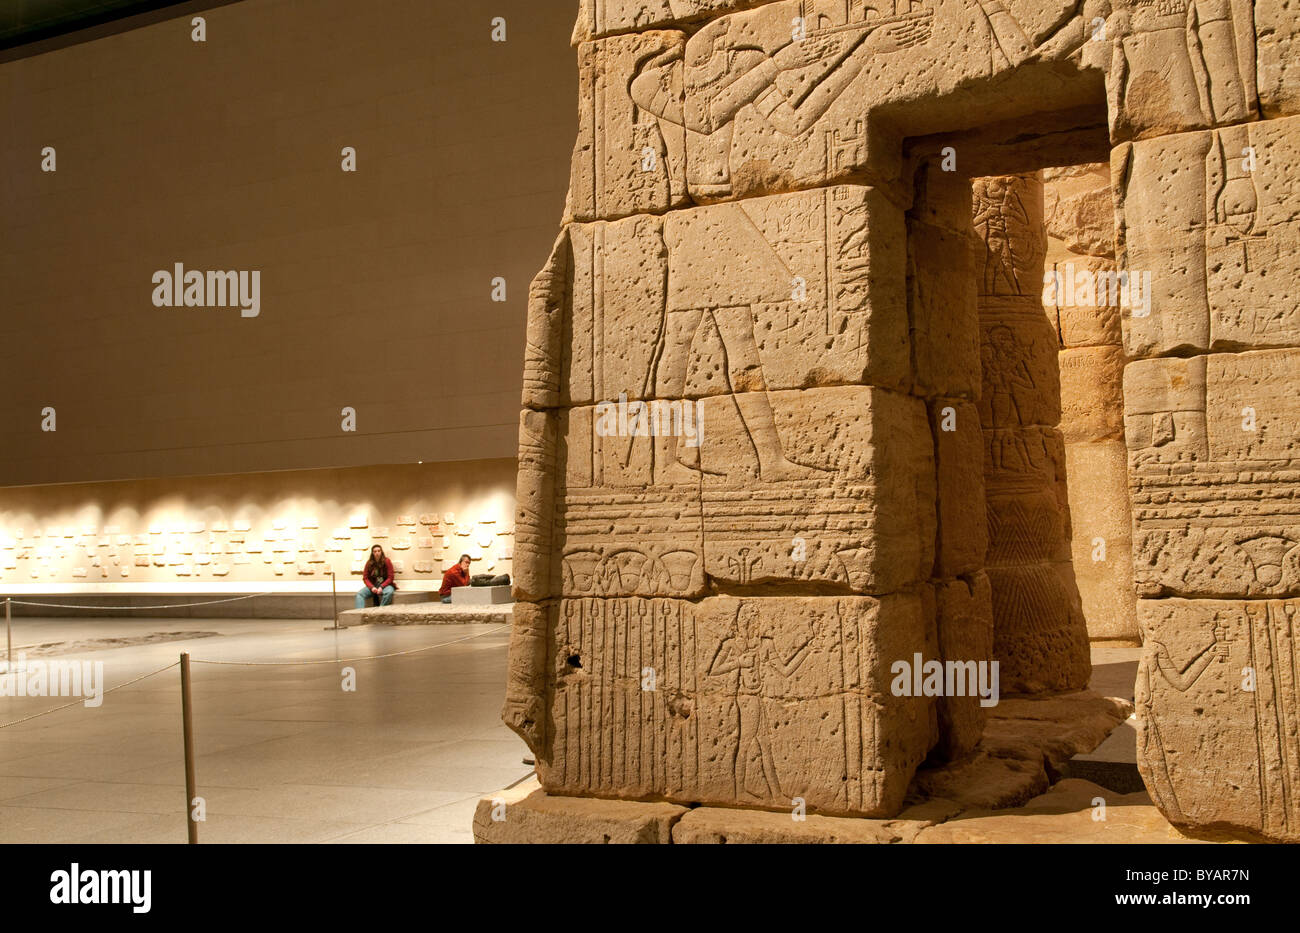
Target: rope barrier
{"x": 47, "y": 712}
{"x": 373, "y": 657}
{"x": 211, "y": 602}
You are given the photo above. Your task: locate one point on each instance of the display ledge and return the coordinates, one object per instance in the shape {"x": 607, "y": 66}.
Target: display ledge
{"x": 234, "y": 601}
{"x": 350, "y": 584}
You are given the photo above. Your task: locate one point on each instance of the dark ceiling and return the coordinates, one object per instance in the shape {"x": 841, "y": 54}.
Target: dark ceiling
{"x": 23, "y": 22}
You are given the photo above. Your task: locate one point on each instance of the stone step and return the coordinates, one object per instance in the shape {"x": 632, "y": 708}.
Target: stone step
{"x": 1113, "y": 763}
{"x": 433, "y": 613}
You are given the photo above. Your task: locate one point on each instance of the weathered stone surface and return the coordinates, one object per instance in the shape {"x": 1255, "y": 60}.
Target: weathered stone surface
{"x": 754, "y": 701}
{"x": 945, "y": 310}
{"x": 965, "y": 636}
{"x": 1277, "y": 28}
{"x": 1067, "y": 815}
{"x": 718, "y": 826}
{"x": 961, "y": 514}
{"x": 1092, "y": 394}
{"x": 1102, "y": 541}
{"x": 781, "y": 97}
{"x": 804, "y": 302}
{"x": 1219, "y": 714}
{"x": 779, "y": 293}
{"x": 1079, "y": 211}
{"x": 1083, "y": 291}
{"x": 623, "y": 164}
{"x": 1179, "y": 65}
{"x": 1215, "y": 485}
{"x": 527, "y": 814}
{"x": 1026, "y": 743}
{"x": 1214, "y": 219}
{"x": 1040, "y": 637}
{"x": 787, "y": 487}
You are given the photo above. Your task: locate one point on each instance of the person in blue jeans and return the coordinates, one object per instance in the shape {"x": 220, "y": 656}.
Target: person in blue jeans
{"x": 378, "y": 579}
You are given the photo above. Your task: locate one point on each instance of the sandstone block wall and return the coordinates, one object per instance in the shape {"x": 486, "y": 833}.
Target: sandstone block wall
{"x": 749, "y": 240}
{"x": 1208, "y": 204}
{"x": 1082, "y": 300}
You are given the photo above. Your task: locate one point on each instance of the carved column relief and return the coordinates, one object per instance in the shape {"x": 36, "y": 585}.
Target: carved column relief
{"x": 1082, "y": 298}
{"x": 1212, "y": 405}
{"x": 1039, "y": 633}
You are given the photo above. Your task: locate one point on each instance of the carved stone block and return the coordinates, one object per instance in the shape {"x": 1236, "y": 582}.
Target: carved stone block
{"x": 1218, "y": 711}
{"x": 1213, "y": 218}
{"x": 754, "y": 700}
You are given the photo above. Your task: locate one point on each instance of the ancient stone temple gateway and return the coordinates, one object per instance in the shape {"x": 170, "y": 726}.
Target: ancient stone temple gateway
{"x": 830, "y": 223}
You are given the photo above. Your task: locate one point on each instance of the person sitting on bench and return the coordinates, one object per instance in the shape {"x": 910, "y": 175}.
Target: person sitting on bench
{"x": 456, "y": 576}
{"x": 378, "y": 579}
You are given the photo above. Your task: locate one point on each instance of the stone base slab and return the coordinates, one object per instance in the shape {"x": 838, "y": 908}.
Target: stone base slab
{"x": 1070, "y": 812}
{"x": 527, "y": 814}
{"x": 480, "y": 595}
{"x": 427, "y": 614}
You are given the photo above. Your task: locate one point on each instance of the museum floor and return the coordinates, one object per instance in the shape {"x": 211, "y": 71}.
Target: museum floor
{"x": 286, "y": 755}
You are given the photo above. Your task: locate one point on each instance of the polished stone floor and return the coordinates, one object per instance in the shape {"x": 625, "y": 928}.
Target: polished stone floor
{"x": 285, "y": 754}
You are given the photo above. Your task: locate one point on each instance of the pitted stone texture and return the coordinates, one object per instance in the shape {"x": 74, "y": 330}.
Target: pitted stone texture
{"x": 1040, "y": 636}
{"x": 623, "y": 164}
{"x": 1277, "y": 24}
{"x": 965, "y": 636}
{"x": 1218, "y": 238}
{"x": 1092, "y": 394}
{"x": 1102, "y": 540}
{"x": 962, "y": 519}
{"x": 753, "y": 701}
{"x": 1180, "y": 65}
{"x": 1219, "y": 714}
{"x": 787, "y": 292}
{"x": 780, "y": 97}
{"x": 1215, "y": 474}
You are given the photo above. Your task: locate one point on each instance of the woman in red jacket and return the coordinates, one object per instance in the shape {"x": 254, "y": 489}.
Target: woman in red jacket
{"x": 378, "y": 579}
{"x": 456, "y": 576}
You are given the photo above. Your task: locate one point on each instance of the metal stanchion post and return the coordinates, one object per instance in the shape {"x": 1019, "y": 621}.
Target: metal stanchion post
{"x": 187, "y": 715}
{"x": 9, "y": 636}
{"x": 334, "y": 595}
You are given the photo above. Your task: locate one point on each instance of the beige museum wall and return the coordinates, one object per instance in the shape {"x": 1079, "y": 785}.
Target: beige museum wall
{"x": 226, "y": 155}
{"x": 264, "y": 532}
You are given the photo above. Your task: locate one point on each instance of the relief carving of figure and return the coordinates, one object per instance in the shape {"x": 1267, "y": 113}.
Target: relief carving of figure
{"x": 750, "y": 655}
{"x": 720, "y": 73}
{"x": 1158, "y": 660}
{"x": 1183, "y": 56}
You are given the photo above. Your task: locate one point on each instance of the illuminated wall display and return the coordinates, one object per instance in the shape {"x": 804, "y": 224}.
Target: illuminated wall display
{"x": 261, "y": 529}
